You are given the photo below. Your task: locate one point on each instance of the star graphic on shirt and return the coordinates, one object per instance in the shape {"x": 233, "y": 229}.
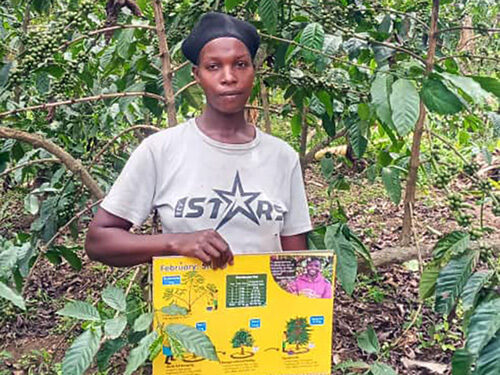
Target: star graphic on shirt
{"x": 237, "y": 202}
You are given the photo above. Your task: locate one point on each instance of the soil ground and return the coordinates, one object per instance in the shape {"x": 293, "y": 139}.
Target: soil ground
{"x": 31, "y": 342}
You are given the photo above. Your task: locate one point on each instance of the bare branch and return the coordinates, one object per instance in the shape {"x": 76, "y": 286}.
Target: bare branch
{"x": 481, "y": 29}
{"x": 310, "y": 154}
{"x": 185, "y": 87}
{"x": 69, "y": 161}
{"x": 112, "y": 140}
{"x": 27, "y": 164}
{"x": 468, "y": 56}
{"x": 180, "y": 66}
{"x": 103, "y": 31}
{"x": 82, "y": 100}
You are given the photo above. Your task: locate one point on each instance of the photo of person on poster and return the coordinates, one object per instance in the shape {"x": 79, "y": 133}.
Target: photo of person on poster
{"x": 311, "y": 283}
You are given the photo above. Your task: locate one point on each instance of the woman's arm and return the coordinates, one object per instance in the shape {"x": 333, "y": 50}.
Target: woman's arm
{"x": 109, "y": 241}
{"x": 296, "y": 242}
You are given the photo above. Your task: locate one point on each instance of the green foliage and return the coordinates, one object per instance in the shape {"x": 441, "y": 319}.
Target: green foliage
{"x": 114, "y": 298}
{"x": 12, "y": 296}
{"x": 367, "y": 341}
{"x": 140, "y": 354}
{"x": 192, "y": 340}
{"x": 80, "y": 310}
{"x": 268, "y": 11}
{"x": 474, "y": 285}
{"x": 242, "y": 338}
{"x": 143, "y": 322}
{"x": 298, "y": 331}
{"x": 405, "y": 106}
{"x": 80, "y": 354}
{"x": 438, "y": 98}
{"x": 390, "y": 178}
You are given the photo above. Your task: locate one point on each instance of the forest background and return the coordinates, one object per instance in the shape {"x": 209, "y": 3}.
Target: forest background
{"x": 392, "y": 106}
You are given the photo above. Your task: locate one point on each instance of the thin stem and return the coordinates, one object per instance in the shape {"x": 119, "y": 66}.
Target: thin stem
{"x": 104, "y": 30}
{"x": 27, "y": 164}
{"x": 185, "y": 87}
{"x": 83, "y": 100}
{"x": 456, "y": 28}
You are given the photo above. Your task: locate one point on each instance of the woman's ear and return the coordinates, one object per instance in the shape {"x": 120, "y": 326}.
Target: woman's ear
{"x": 195, "y": 71}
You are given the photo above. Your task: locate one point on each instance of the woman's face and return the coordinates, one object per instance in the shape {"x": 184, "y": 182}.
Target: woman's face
{"x": 225, "y": 72}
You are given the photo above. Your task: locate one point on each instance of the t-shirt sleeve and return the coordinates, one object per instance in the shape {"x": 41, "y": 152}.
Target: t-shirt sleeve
{"x": 131, "y": 196}
{"x": 296, "y": 219}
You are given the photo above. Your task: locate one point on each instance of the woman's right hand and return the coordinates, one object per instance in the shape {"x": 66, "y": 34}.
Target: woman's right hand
{"x": 205, "y": 245}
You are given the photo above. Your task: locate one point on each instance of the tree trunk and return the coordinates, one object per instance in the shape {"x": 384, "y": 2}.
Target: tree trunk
{"x": 411, "y": 183}
{"x": 166, "y": 70}
{"x": 242, "y": 350}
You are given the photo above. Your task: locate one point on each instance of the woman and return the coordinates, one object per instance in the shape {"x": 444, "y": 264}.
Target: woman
{"x": 220, "y": 185}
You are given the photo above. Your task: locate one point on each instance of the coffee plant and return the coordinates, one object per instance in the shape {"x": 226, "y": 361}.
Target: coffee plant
{"x": 393, "y": 86}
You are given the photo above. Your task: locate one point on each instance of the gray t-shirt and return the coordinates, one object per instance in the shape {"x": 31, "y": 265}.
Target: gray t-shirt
{"x": 251, "y": 193}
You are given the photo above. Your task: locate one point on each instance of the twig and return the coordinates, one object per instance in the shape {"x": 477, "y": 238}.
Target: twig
{"x": 185, "y": 87}
{"x": 413, "y": 321}
{"x": 492, "y": 30}
{"x": 310, "y": 154}
{"x": 27, "y": 164}
{"x": 467, "y": 56}
{"x": 180, "y": 66}
{"x": 110, "y": 142}
{"x": 317, "y": 51}
{"x": 450, "y": 146}
{"x": 83, "y": 100}
{"x": 104, "y": 30}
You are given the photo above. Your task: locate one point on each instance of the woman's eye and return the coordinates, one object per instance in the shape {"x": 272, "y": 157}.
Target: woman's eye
{"x": 212, "y": 67}
{"x": 241, "y": 64}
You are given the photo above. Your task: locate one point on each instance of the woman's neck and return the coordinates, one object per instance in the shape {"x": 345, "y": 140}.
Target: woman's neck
{"x": 227, "y": 128}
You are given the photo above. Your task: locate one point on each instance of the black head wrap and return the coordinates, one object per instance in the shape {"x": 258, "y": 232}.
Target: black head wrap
{"x": 219, "y": 25}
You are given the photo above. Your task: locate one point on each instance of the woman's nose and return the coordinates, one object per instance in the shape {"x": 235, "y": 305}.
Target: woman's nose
{"x": 228, "y": 76}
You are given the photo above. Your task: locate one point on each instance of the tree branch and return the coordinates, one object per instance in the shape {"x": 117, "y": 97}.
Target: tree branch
{"x": 185, "y": 87}
{"x": 112, "y": 140}
{"x": 467, "y": 56}
{"x": 82, "y": 100}
{"x": 104, "y": 30}
{"x": 27, "y": 164}
{"x": 492, "y": 30}
{"x": 180, "y": 66}
{"x": 325, "y": 142}
{"x": 69, "y": 161}
{"x": 166, "y": 70}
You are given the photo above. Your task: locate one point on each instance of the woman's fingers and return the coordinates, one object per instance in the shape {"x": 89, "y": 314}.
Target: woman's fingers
{"x": 222, "y": 246}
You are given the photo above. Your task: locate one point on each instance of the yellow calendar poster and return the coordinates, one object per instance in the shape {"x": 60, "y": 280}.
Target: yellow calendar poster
{"x": 268, "y": 314}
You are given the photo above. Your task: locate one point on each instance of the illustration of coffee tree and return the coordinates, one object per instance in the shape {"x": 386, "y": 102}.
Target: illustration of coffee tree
{"x": 242, "y": 339}
{"x": 298, "y": 332}
{"x": 191, "y": 290}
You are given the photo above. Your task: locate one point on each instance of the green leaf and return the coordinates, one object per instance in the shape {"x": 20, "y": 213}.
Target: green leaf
{"x": 328, "y": 125}
{"x": 143, "y": 322}
{"x": 405, "y": 106}
{"x": 461, "y": 362}
{"x": 315, "y": 239}
{"x": 313, "y": 37}
{"x": 231, "y": 4}
{"x": 155, "y": 348}
{"x": 469, "y": 86}
{"x": 139, "y": 354}
{"x": 451, "y": 281}
{"x": 472, "y": 288}
{"x": 12, "y": 296}
{"x": 380, "y": 92}
{"x": 123, "y": 43}
{"x": 326, "y": 167}
{"x": 41, "y": 6}
{"x": 114, "y": 298}
{"x": 113, "y": 328}
{"x": 437, "y": 98}
{"x": 4, "y": 73}
{"x": 352, "y": 364}
{"x": 489, "y": 84}
{"x": 81, "y": 353}
{"x": 192, "y": 340}
{"x": 382, "y": 369}
{"x": 174, "y": 310}
{"x": 368, "y": 341}
{"x": 454, "y": 242}
{"x": 8, "y": 259}
{"x": 347, "y": 264}
{"x": 332, "y": 44}
{"x": 80, "y": 310}
{"x": 392, "y": 184}
{"x": 107, "y": 350}
{"x": 488, "y": 362}
{"x": 483, "y": 325}
{"x": 296, "y": 123}
{"x": 428, "y": 280}
{"x": 42, "y": 83}
{"x": 268, "y": 12}
{"x": 31, "y": 204}
{"x": 71, "y": 257}
{"x": 356, "y": 139}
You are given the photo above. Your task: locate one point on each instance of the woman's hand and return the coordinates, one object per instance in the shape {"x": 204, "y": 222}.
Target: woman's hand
{"x": 205, "y": 245}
